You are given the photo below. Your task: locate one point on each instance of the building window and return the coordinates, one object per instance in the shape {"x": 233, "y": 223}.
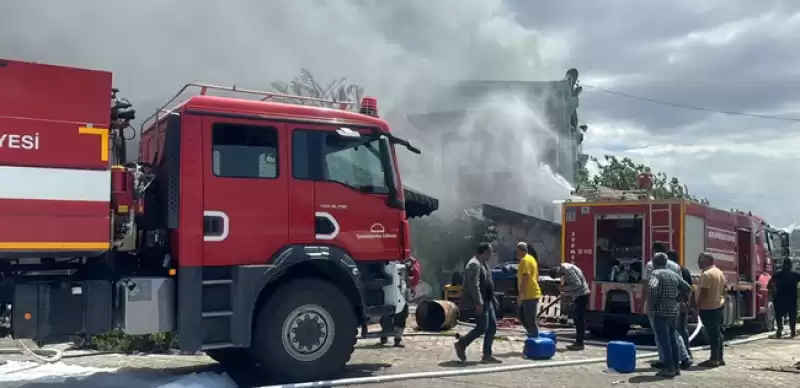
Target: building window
{"x": 244, "y": 151}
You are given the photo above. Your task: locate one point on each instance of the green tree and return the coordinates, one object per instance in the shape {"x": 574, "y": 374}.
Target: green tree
{"x": 582, "y": 177}
{"x": 620, "y": 174}
{"x": 305, "y": 85}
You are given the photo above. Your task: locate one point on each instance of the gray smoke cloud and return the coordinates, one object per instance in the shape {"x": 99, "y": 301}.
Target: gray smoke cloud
{"x": 397, "y": 50}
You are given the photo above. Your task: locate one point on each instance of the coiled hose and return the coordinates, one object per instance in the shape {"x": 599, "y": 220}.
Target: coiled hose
{"x": 44, "y": 356}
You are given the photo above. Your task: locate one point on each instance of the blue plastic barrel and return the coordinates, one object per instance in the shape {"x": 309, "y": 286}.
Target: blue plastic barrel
{"x": 621, "y": 356}
{"x": 539, "y": 348}
{"x": 549, "y": 334}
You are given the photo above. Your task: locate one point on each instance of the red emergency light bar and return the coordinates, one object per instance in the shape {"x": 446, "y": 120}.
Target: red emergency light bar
{"x": 369, "y": 106}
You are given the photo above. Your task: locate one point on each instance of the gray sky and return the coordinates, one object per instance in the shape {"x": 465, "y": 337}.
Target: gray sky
{"x": 731, "y": 55}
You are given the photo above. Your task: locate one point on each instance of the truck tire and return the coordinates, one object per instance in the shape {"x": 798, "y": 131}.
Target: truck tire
{"x": 763, "y": 322}
{"x": 305, "y": 331}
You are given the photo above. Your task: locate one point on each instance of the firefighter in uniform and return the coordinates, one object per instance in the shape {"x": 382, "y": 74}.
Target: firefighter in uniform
{"x": 412, "y": 279}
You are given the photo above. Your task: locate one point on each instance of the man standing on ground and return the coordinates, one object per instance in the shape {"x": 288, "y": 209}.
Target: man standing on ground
{"x": 710, "y": 299}
{"x": 666, "y": 290}
{"x": 399, "y": 320}
{"x": 478, "y": 297}
{"x": 683, "y": 318}
{"x": 783, "y": 287}
{"x": 673, "y": 266}
{"x": 529, "y": 292}
{"x": 576, "y": 288}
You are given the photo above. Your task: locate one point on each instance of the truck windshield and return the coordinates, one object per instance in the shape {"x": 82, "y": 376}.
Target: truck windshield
{"x": 359, "y": 163}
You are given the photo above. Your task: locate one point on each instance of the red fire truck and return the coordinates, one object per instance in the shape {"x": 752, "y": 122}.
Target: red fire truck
{"x": 610, "y": 239}
{"x": 263, "y": 233}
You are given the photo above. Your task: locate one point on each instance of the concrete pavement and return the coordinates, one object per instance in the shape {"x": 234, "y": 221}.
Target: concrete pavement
{"x": 748, "y": 366}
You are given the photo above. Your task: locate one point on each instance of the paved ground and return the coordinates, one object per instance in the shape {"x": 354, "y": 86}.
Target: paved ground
{"x": 747, "y": 366}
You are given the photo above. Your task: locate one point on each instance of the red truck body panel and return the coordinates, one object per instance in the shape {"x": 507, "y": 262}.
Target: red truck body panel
{"x": 54, "y": 178}
{"x": 735, "y": 239}
{"x": 53, "y": 102}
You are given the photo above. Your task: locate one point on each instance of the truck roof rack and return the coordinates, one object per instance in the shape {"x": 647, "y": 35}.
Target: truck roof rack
{"x": 599, "y": 193}
{"x": 265, "y": 95}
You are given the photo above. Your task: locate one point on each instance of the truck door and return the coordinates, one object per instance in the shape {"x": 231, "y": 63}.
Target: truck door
{"x": 245, "y": 191}
{"x": 350, "y": 191}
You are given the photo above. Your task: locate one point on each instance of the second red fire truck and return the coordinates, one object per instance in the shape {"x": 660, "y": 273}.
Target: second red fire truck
{"x": 609, "y": 236}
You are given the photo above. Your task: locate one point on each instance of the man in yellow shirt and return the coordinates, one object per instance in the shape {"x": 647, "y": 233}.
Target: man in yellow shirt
{"x": 529, "y": 292}
{"x": 710, "y": 301}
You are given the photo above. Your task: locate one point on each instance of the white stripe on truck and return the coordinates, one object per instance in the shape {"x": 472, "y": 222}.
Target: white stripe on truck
{"x": 57, "y": 184}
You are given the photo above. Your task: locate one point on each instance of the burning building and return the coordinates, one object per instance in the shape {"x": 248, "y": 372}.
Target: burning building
{"x": 457, "y": 122}
{"x": 463, "y": 125}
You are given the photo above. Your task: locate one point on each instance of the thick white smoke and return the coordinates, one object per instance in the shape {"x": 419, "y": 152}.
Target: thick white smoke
{"x": 398, "y": 50}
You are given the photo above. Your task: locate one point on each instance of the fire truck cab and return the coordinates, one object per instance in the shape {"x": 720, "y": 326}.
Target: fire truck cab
{"x": 261, "y": 231}
{"x": 610, "y": 238}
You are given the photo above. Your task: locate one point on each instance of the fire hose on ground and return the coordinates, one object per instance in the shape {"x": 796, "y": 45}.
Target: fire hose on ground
{"x": 496, "y": 369}
{"x": 52, "y": 356}
{"x": 45, "y": 356}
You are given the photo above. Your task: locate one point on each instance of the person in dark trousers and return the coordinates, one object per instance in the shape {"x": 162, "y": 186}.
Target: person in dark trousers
{"x": 576, "y": 288}
{"x": 399, "y": 320}
{"x": 783, "y": 288}
{"x": 666, "y": 291}
{"x": 710, "y": 300}
{"x": 683, "y": 318}
{"x": 478, "y": 297}
{"x": 528, "y": 290}
{"x": 672, "y": 265}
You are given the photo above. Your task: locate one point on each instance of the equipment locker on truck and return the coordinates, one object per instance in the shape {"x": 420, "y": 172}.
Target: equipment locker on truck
{"x": 609, "y": 235}
{"x": 263, "y": 233}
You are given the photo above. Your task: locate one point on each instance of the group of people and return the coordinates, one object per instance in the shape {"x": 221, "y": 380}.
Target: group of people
{"x": 478, "y": 296}
{"x": 669, "y": 301}
{"x": 670, "y": 298}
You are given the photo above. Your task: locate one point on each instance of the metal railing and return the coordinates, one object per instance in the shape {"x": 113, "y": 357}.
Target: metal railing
{"x": 265, "y": 95}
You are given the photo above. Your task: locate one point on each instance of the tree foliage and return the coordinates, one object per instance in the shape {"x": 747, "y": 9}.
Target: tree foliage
{"x": 621, "y": 174}
{"x": 306, "y": 85}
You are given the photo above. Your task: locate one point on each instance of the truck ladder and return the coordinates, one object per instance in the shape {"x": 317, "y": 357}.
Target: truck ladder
{"x": 660, "y": 231}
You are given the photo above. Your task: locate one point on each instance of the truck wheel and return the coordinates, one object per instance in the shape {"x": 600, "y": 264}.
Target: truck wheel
{"x": 305, "y": 331}
{"x": 615, "y": 330}
{"x": 764, "y": 322}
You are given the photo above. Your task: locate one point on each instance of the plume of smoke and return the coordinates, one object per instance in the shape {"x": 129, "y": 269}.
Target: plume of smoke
{"x": 498, "y": 154}
{"x": 398, "y": 50}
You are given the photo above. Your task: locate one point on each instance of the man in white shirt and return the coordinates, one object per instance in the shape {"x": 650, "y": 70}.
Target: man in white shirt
{"x": 576, "y": 288}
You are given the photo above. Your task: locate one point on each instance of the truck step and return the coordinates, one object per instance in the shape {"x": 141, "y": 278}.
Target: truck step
{"x": 220, "y": 345}
{"x": 379, "y": 311}
{"x": 377, "y": 284}
{"x": 214, "y": 314}
{"x": 217, "y": 282}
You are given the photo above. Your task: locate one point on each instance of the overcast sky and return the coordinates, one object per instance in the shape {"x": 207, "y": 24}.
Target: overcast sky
{"x": 732, "y": 55}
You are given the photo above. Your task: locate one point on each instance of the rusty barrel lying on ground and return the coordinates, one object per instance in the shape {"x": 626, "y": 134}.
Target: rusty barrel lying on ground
{"x": 436, "y": 315}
